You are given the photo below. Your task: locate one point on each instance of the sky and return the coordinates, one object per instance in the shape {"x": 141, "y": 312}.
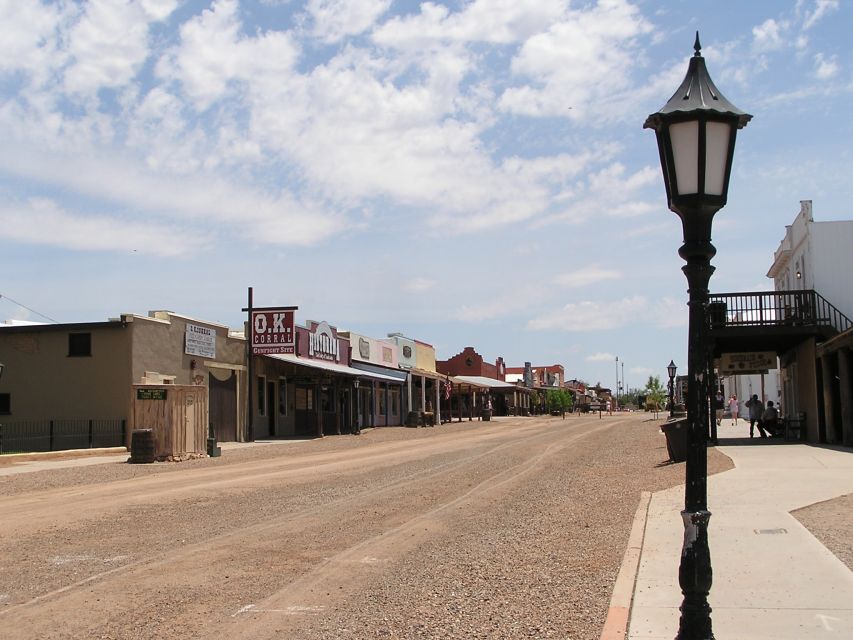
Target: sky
{"x": 470, "y": 173}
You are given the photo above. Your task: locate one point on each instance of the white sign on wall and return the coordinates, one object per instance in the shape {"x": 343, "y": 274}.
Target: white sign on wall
{"x": 200, "y": 341}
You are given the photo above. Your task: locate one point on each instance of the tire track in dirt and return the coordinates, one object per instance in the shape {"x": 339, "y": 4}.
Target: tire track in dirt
{"x": 183, "y": 561}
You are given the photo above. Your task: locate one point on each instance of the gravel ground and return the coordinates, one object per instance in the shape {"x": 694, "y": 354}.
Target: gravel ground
{"x": 470, "y": 530}
{"x": 831, "y": 522}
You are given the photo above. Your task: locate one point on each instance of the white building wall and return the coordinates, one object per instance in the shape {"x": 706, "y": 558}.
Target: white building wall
{"x": 747, "y": 385}
{"x": 821, "y": 253}
{"x": 830, "y": 263}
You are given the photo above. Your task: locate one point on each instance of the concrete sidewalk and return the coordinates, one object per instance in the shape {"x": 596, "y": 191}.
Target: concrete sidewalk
{"x": 772, "y": 578}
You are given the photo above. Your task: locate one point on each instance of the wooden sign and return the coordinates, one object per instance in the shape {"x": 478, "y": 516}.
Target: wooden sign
{"x": 150, "y": 394}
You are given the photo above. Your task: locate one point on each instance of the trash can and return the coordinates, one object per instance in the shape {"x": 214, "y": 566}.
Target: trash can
{"x": 141, "y": 446}
{"x": 486, "y": 414}
{"x": 676, "y": 439}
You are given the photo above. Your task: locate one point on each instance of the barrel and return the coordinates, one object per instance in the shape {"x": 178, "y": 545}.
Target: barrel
{"x": 142, "y": 446}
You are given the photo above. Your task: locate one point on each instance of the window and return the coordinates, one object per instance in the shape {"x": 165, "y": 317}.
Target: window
{"x": 304, "y": 399}
{"x": 282, "y": 396}
{"x": 382, "y": 402}
{"x": 5, "y": 403}
{"x": 327, "y": 399}
{"x": 79, "y": 345}
{"x": 395, "y": 401}
{"x": 262, "y": 404}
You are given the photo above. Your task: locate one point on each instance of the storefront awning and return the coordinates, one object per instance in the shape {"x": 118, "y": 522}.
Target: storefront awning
{"x": 398, "y": 374}
{"x": 331, "y": 367}
{"x": 424, "y": 373}
{"x": 489, "y": 383}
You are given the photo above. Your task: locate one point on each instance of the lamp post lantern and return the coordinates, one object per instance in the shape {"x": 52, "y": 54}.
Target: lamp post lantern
{"x": 696, "y": 132}
{"x": 670, "y": 370}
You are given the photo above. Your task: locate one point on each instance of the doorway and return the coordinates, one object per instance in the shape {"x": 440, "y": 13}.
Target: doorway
{"x": 271, "y": 407}
{"x": 223, "y": 407}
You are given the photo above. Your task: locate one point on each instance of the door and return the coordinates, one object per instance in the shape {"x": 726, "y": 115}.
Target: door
{"x": 223, "y": 407}
{"x": 271, "y": 407}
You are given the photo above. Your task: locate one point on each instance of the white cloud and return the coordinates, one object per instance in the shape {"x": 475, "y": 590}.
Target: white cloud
{"x": 201, "y": 199}
{"x": 27, "y": 38}
{"x": 158, "y": 9}
{"x": 581, "y": 62}
{"x": 212, "y": 55}
{"x": 603, "y": 316}
{"x": 41, "y": 221}
{"x": 495, "y": 21}
{"x": 107, "y": 46}
{"x": 337, "y": 19}
{"x": 768, "y": 36}
{"x": 821, "y": 8}
{"x": 825, "y": 68}
{"x": 644, "y": 371}
{"x": 586, "y": 276}
{"x": 419, "y": 285}
{"x": 592, "y": 316}
{"x": 601, "y": 357}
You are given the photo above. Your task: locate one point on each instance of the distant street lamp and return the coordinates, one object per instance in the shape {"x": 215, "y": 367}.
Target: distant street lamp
{"x": 670, "y": 369}
{"x": 617, "y": 384}
{"x": 696, "y": 132}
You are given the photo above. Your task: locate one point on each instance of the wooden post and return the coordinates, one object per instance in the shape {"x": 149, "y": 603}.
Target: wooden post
{"x": 250, "y": 424}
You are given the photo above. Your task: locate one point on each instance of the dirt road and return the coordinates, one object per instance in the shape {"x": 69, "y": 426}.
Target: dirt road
{"x": 503, "y": 529}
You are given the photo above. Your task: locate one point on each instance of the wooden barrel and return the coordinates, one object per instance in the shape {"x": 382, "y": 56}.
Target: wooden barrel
{"x": 142, "y": 446}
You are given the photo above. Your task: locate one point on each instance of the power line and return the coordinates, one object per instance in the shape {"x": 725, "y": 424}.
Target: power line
{"x": 23, "y": 306}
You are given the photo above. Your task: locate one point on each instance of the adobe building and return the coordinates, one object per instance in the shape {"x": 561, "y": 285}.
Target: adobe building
{"x": 85, "y": 371}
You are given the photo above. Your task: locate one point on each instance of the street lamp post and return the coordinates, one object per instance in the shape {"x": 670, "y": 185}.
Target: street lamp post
{"x": 670, "y": 369}
{"x": 696, "y": 132}
{"x": 617, "y": 384}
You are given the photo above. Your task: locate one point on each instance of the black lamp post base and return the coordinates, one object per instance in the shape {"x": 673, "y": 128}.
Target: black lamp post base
{"x": 694, "y": 576}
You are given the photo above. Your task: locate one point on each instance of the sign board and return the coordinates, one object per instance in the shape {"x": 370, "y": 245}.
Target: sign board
{"x": 200, "y": 341}
{"x": 150, "y": 394}
{"x": 746, "y": 363}
{"x": 323, "y": 344}
{"x": 273, "y": 331}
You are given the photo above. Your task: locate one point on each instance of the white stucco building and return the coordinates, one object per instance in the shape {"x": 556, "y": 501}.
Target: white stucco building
{"x": 816, "y": 255}
{"x": 817, "y": 374}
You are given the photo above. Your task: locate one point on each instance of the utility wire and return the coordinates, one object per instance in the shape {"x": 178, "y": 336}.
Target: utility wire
{"x": 23, "y": 306}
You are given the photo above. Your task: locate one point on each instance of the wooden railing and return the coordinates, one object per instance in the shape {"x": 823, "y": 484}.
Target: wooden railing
{"x": 804, "y": 307}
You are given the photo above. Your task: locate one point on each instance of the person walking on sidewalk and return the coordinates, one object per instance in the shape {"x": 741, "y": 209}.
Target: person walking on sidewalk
{"x": 719, "y": 403}
{"x": 733, "y": 409}
{"x": 756, "y": 409}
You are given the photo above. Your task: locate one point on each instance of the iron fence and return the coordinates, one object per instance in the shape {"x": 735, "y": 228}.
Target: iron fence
{"x": 775, "y": 308}
{"x": 29, "y": 436}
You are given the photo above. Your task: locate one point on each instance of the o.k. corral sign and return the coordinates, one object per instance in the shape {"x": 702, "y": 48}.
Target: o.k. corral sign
{"x": 273, "y": 331}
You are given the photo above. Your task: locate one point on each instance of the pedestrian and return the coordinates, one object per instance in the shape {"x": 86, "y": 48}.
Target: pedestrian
{"x": 733, "y": 409}
{"x": 719, "y": 403}
{"x": 770, "y": 419}
{"x": 756, "y": 409}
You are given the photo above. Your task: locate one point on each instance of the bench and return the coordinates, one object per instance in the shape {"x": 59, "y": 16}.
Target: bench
{"x": 794, "y": 426}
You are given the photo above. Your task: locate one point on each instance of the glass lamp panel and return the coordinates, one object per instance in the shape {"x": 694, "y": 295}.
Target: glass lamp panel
{"x": 685, "y": 152}
{"x": 716, "y": 156}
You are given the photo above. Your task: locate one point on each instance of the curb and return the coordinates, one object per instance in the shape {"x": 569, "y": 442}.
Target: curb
{"x": 57, "y": 455}
{"x": 616, "y": 625}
